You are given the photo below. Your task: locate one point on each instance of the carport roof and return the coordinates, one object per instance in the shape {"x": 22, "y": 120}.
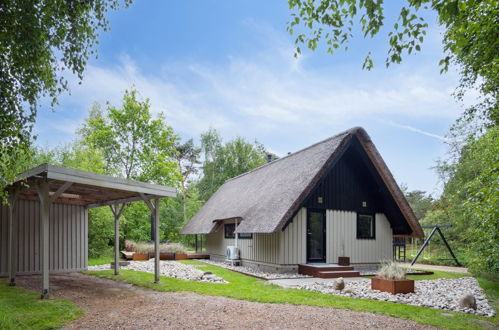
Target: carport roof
{"x": 69, "y": 186}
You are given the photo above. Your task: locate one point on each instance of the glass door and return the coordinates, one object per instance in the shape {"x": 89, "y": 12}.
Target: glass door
{"x": 316, "y": 235}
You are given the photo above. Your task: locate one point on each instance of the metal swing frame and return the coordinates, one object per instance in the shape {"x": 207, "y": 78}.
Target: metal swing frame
{"x": 436, "y": 228}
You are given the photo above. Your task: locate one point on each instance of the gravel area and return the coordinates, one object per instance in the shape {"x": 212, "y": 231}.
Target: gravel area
{"x": 170, "y": 269}
{"x": 441, "y": 293}
{"x": 254, "y": 271}
{"x": 112, "y": 304}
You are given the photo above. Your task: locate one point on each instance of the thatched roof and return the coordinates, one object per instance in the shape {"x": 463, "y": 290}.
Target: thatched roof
{"x": 267, "y": 197}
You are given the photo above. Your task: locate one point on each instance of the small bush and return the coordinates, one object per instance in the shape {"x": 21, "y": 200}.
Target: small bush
{"x": 391, "y": 271}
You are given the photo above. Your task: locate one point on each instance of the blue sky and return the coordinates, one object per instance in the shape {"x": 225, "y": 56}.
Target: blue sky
{"x": 230, "y": 65}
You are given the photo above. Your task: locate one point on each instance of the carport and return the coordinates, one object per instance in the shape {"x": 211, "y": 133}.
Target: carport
{"x": 44, "y": 229}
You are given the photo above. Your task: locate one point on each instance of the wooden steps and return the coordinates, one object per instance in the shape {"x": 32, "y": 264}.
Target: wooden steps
{"x": 327, "y": 271}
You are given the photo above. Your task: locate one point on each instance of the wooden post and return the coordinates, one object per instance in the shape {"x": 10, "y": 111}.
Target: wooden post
{"x": 155, "y": 212}
{"x": 12, "y": 237}
{"x": 43, "y": 193}
{"x": 156, "y": 241}
{"x": 117, "y": 213}
{"x": 196, "y": 240}
{"x": 116, "y": 245}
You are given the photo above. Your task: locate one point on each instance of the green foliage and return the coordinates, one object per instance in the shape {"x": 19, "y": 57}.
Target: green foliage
{"x": 100, "y": 232}
{"x": 249, "y": 288}
{"x": 226, "y": 161}
{"x": 472, "y": 40}
{"x": 333, "y": 22}
{"x": 23, "y": 309}
{"x": 40, "y": 41}
{"x": 134, "y": 145}
{"x": 471, "y": 200}
{"x": 419, "y": 200}
{"x": 172, "y": 216}
{"x": 480, "y": 196}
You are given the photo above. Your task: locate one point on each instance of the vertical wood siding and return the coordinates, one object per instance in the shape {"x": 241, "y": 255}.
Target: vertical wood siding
{"x": 261, "y": 248}
{"x": 68, "y": 244}
{"x": 341, "y": 236}
{"x": 294, "y": 240}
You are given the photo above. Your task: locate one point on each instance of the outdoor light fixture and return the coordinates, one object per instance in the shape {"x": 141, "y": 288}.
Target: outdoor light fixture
{"x": 319, "y": 200}
{"x": 364, "y": 204}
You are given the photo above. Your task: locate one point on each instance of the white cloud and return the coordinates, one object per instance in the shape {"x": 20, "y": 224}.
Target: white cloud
{"x": 268, "y": 89}
{"x": 417, "y": 130}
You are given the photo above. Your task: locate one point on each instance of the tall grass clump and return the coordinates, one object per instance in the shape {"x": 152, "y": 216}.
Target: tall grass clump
{"x": 391, "y": 270}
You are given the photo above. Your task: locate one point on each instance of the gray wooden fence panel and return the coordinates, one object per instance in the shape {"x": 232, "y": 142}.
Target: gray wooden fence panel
{"x": 68, "y": 238}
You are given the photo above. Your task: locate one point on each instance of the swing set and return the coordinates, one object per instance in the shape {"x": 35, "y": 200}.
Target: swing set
{"x": 436, "y": 229}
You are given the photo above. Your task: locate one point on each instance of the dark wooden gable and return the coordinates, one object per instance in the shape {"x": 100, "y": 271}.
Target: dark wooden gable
{"x": 353, "y": 184}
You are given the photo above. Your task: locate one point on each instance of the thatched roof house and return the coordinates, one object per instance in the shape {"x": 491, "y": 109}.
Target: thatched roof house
{"x": 344, "y": 173}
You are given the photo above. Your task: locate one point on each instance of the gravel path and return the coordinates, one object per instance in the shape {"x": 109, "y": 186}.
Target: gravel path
{"x": 112, "y": 304}
{"x": 170, "y": 269}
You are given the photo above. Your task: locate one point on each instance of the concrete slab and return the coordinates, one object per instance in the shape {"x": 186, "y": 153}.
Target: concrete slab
{"x": 291, "y": 283}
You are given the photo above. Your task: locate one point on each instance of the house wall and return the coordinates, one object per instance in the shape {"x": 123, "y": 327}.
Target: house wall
{"x": 288, "y": 248}
{"x": 262, "y": 248}
{"x": 341, "y": 239}
{"x": 68, "y": 238}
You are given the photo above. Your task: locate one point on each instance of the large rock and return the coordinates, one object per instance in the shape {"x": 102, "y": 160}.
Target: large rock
{"x": 467, "y": 301}
{"x": 339, "y": 284}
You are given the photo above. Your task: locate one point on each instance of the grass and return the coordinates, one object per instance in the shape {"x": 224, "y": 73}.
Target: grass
{"x": 248, "y": 288}
{"x": 23, "y": 309}
{"x": 436, "y": 255}
{"x": 436, "y": 275}
{"x": 100, "y": 260}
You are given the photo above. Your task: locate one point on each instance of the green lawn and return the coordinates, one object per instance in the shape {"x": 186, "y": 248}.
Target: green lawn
{"x": 23, "y": 309}
{"x": 252, "y": 289}
{"x": 100, "y": 261}
{"x": 437, "y": 274}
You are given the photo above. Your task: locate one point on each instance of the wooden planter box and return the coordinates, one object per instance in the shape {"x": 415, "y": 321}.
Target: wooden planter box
{"x": 163, "y": 255}
{"x": 344, "y": 261}
{"x": 140, "y": 256}
{"x": 392, "y": 286}
{"x": 180, "y": 256}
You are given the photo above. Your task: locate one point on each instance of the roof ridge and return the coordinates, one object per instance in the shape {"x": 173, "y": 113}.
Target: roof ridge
{"x": 348, "y": 131}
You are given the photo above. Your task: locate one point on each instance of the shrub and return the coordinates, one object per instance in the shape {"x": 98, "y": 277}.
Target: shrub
{"x": 391, "y": 271}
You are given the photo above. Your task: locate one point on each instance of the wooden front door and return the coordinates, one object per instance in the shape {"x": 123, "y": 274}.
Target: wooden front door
{"x": 316, "y": 235}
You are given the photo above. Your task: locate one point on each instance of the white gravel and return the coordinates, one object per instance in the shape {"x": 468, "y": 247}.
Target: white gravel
{"x": 441, "y": 293}
{"x": 255, "y": 272}
{"x": 170, "y": 269}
